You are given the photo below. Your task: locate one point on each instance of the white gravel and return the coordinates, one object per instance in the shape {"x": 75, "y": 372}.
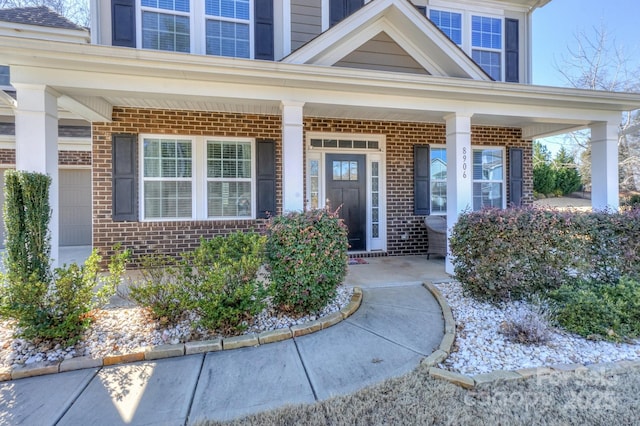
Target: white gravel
{"x": 480, "y": 347}
{"x": 119, "y": 330}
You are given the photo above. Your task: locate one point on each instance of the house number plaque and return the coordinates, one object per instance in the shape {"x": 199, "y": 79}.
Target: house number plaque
{"x": 464, "y": 162}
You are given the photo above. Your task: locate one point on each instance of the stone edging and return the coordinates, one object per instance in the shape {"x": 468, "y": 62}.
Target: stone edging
{"x": 189, "y": 348}
{"x": 469, "y": 382}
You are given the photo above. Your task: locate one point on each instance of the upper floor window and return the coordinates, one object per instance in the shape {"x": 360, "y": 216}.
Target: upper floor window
{"x": 340, "y": 9}
{"x": 166, "y": 25}
{"x": 228, "y": 28}
{"x": 486, "y": 44}
{"x": 232, "y": 28}
{"x": 449, "y": 22}
{"x": 5, "y": 78}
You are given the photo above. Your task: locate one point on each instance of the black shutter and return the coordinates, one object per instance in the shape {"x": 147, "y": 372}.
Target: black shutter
{"x": 353, "y": 5}
{"x": 123, "y": 23}
{"x": 421, "y": 180}
{"x": 512, "y": 46}
{"x": 266, "y": 178}
{"x": 340, "y": 9}
{"x": 337, "y": 11}
{"x": 124, "y": 187}
{"x": 516, "y": 176}
{"x": 263, "y": 11}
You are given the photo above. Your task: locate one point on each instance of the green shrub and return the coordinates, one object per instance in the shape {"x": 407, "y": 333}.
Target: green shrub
{"x": 26, "y": 220}
{"x": 568, "y": 180}
{"x": 160, "y": 289}
{"x": 221, "y": 276}
{"x": 596, "y": 310}
{"x": 63, "y": 311}
{"x": 307, "y": 257}
{"x": 632, "y": 200}
{"x": 509, "y": 254}
{"x": 218, "y": 281}
{"x": 544, "y": 179}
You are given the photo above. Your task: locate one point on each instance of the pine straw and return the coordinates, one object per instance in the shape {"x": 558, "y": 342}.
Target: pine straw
{"x": 589, "y": 398}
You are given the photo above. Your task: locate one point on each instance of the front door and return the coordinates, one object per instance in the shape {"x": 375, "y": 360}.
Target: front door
{"x": 346, "y": 187}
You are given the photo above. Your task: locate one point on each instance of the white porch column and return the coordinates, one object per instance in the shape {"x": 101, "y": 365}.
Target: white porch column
{"x": 292, "y": 157}
{"x": 604, "y": 166}
{"x": 37, "y": 143}
{"x": 459, "y": 169}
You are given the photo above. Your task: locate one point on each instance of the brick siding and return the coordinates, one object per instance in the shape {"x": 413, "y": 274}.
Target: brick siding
{"x": 174, "y": 237}
{"x": 171, "y": 237}
{"x": 65, "y": 158}
{"x": 400, "y": 139}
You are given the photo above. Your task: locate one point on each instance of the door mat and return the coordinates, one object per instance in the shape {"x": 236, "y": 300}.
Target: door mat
{"x": 357, "y": 261}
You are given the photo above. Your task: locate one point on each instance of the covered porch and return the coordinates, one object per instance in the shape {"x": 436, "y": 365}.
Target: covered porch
{"x": 90, "y": 81}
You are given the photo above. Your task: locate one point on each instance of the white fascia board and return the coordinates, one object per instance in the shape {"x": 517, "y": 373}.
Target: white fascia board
{"x": 10, "y": 29}
{"x": 98, "y": 69}
{"x": 490, "y": 6}
{"x": 427, "y": 93}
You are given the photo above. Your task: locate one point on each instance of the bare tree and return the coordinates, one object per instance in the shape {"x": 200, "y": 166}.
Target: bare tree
{"x": 74, "y": 10}
{"x": 598, "y": 62}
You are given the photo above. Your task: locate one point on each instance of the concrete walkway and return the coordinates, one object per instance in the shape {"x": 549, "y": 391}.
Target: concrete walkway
{"x": 397, "y": 325}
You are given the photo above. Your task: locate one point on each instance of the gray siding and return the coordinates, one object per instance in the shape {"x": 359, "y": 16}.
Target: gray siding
{"x": 383, "y": 54}
{"x": 306, "y": 21}
{"x": 75, "y": 207}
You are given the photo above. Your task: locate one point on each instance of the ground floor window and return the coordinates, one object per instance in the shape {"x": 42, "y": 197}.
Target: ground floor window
{"x": 167, "y": 178}
{"x": 196, "y": 178}
{"x": 229, "y": 168}
{"x": 488, "y": 178}
{"x": 438, "y": 175}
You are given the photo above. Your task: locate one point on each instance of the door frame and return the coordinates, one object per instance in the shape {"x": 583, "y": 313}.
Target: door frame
{"x": 373, "y": 156}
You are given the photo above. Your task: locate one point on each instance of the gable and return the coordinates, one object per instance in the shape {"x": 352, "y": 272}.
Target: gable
{"x": 403, "y": 33}
{"x": 381, "y": 53}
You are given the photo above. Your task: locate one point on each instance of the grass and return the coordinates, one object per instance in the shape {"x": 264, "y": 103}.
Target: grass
{"x": 589, "y": 398}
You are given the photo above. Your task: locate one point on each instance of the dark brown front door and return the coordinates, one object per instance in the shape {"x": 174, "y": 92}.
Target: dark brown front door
{"x": 346, "y": 187}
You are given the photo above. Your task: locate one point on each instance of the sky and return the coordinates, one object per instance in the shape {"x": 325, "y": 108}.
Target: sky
{"x": 555, "y": 26}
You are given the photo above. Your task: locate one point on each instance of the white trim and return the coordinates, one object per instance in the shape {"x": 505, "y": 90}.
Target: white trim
{"x": 504, "y": 180}
{"x": 64, "y": 143}
{"x": 380, "y": 242}
{"x": 42, "y": 33}
{"x": 197, "y": 25}
{"x": 206, "y": 179}
{"x": 435, "y": 52}
{"x": 198, "y": 176}
{"x": 316, "y": 153}
{"x": 431, "y": 147}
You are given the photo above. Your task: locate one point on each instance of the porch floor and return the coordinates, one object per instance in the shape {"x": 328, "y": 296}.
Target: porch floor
{"x": 376, "y": 272}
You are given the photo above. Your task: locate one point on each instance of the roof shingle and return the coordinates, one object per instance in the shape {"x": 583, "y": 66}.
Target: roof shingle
{"x": 41, "y": 16}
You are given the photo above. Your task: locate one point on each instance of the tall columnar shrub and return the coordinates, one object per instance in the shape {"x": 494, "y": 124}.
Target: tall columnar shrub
{"x": 307, "y": 257}
{"x": 26, "y": 217}
{"x": 46, "y": 304}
